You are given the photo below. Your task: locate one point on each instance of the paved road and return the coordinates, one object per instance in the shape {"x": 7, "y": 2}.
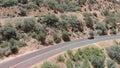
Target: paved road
{"x": 29, "y": 59}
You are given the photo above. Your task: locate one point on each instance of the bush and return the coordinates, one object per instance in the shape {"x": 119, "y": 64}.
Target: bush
{"x": 85, "y": 64}
{"x": 22, "y": 13}
{"x": 8, "y": 32}
{"x": 20, "y": 43}
{"x": 89, "y": 22}
{"x": 23, "y": 1}
{"x": 46, "y": 65}
{"x": 41, "y": 37}
{"x": 81, "y": 2}
{"x": 49, "y": 65}
{"x": 60, "y": 58}
{"x": 69, "y": 64}
{"x": 97, "y": 61}
{"x": 106, "y": 12}
{"x": 38, "y": 2}
{"x": 7, "y": 3}
{"x": 30, "y": 6}
{"x": 49, "y": 42}
{"x": 4, "y": 45}
{"x": 28, "y": 25}
{"x": 57, "y": 39}
{"x": 102, "y": 28}
{"x": 114, "y": 53}
{"x": 65, "y": 36}
{"x": 70, "y": 54}
{"x": 95, "y": 55}
{"x": 51, "y": 20}
{"x": 14, "y": 49}
{"x": 76, "y": 56}
{"x": 77, "y": 65}
{"x": 111, "y": 64}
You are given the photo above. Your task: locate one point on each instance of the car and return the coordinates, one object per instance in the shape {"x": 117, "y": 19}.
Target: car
{"x": 92, "y": 37}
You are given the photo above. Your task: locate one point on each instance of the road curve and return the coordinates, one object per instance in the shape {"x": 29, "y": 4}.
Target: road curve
{"x": 29, "y": 59}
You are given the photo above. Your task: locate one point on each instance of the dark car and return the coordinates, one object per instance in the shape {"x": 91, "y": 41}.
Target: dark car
{"x": 91, "y": 35}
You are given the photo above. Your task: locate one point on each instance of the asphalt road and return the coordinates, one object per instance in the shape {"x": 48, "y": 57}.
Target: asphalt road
{"x": 27, "y": 60}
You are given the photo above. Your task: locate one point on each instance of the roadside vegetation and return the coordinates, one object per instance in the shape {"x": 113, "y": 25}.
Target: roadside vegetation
{"x": 88, "y": 57}
{"x": 56, "y": 26}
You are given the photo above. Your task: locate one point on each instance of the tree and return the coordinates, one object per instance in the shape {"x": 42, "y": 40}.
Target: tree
{"x": 57, "y": 39}
{"x": 7, "y": 3}
{"x": 111, "y": 64}
{"x": 8, "y": 32}
{"x": 23, "y": 1}
{"x": 65, "y": 36}
{"x": 28, "y": 25}
{"x": 51, "y": 20}
{"x": 89, "y": 21}
{"x": 41, "y": 37}
{"x": 60, "y": 58}
{"x": 69, "y": 64}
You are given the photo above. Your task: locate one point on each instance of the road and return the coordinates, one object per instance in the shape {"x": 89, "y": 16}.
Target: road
{"x": 27, "y": 60}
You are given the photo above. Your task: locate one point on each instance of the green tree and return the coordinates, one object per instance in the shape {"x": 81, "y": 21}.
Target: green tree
{"x": 69, "y": 64}
{"x": 65, "y": 36}
{"x": 7, "y": 3}
{"x": 51, "y": 20}
{"x": 28, "y": 25}
{"x": 41, "y": 37}
{"x": 111, "y": 64}
{"x": 57, "y": 39}
{"x": 8, "y": 32}
{"x": 60, "y": 58}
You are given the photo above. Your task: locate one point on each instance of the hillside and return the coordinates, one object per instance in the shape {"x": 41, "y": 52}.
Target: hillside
{"x": 28, "y": 25}
{"x": 103, "y": 54}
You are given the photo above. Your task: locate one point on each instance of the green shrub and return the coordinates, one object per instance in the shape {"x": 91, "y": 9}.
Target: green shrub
{"x": 38, "y": 2}
{"x": 41, "y": 37}
{"x": 81, "y": 2}
{"x": 23, "y": 1}
{"x": 8, "y": 32}
{"x": 51, "y": 20}
{"x": 97, "y": 61}
{"x": 106, "y": 12}
{"x": 14, "y": 42}
{"x": 7, "y": 3}
{"x": 95, "y": 55}
{"x": 49, "y": 42}
{"x": 49, "y": 65}
{"x": 85, "y": 64}
{"x": 30, "y": 6}
{"x": 65, "y": 36}
{"x": 102, "y": 28}
{"x": 14, "y": 49}
{"x": 46, "y": 65}
{"x": 77, "y": 65}
{"x": 89, "y": 21}
{"x": 70, "y": 54}
{"x": 57, "y": 39}
{"x": 113, "y": 52}
{"x": 60, "y": 6}
{"x": 5, "y": 44}
{"x": 20, "y": 43}
{"x": 69, "y": 64}
{"x": 91, "y": 1}
{"x": 28, "y": 25}
{"x": 111, "y": 64}
{"x": 39, "y": 28}
{"x": 60, "y": 58}
{"x": 55, "y": 66}
{"x": 76, "y": 56}
{"x": 22, "y": 13}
